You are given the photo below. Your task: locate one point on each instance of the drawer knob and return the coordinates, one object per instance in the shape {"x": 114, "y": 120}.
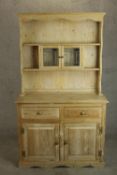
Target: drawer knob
{"x": 38, "y": 113}
{"x": 82, "y": 113}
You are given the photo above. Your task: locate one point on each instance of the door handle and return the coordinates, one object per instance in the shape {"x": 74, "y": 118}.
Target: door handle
{"x": 56, "y": 143}
{"x": 65, "y": 142}
{"x": 60, "y": 57}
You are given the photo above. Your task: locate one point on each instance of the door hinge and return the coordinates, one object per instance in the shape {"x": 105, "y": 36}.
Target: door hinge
{"x": 22, "y": 130}
{"x": 23, "y": 153}
{"x": 100, "y": 130}
{"x": 100, "y": 153}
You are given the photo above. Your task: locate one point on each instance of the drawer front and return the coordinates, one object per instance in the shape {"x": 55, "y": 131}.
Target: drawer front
{"x": 40, "y": 113}
{"x": 82, "y": 113}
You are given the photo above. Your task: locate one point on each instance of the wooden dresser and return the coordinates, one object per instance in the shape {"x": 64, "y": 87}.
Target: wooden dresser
{"x": 61, "y": 108}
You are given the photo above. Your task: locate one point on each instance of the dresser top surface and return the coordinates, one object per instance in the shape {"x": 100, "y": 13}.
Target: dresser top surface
{"x": 60, "y": 98}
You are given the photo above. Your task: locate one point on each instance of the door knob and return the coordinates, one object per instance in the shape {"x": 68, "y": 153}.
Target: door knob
{"x": 38, "y": 113}
{"x": 56, "y": 143}
{"x": 65, "y": 143}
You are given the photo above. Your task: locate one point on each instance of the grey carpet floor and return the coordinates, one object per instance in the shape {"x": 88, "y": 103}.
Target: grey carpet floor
{"x": 9, "y": 160}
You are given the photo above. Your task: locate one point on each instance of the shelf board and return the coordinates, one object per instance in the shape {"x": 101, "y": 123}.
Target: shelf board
{"x": 31, "y": 69}
{"x": 31, "y": 44}
{"x": 80, "y": 69}
{"x": 45, "y": 44}
{"x": 57, "y": 69}
{"x": 92, "y": 69}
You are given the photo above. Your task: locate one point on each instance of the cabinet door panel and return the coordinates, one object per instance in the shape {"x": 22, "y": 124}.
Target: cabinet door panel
{"x": 49, "y": 57}
{"x": 71, "y": 56}
{"x": 80, "y": 141}
{"x": 41, "y": 141}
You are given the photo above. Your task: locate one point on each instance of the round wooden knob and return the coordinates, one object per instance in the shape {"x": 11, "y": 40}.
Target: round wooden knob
{"x": 38, "y": 113}
{"x": 56, "y": 143}
{"x": 82, "y": 113}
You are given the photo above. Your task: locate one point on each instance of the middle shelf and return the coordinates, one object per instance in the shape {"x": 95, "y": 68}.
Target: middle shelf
{"x": 65, "y": 69}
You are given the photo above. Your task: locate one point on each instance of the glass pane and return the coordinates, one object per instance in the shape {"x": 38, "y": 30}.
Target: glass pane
{"x": 71, "y": 57}
{"x": 50, "y": 57}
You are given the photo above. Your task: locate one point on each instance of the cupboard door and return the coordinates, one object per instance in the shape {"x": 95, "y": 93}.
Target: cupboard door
{"x": 71, "y": 57}
{"x": 41, "y": 142}
{"x": 50, "y": 57}
{"x": 80, "y": 141}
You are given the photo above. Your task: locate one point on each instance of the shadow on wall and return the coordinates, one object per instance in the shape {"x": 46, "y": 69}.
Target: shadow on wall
{"x": 9, "y": 150}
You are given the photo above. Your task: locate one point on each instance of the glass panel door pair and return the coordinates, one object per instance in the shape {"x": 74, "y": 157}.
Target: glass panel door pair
{"x": 60, "y": 56}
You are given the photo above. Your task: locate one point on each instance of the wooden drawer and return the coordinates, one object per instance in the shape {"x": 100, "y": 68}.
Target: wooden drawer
{"x": 40, "y": 113}
{"x": 82, "y": 113}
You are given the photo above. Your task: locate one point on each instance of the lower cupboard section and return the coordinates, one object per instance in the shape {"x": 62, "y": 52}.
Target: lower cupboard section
{"x": 51, "y": 143}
